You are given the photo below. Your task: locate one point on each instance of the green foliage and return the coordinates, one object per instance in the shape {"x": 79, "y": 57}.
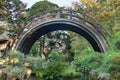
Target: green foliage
{"x": 105, "y": 11}
{"x": 54, "y": 56}
{"x": 11, "y": 12}
{"x": 117, "y": 44}
{"x": 35, "y": 63}
{"x": 94, "y": 59}
{"x": 116, "y": 38}
{"x": 111, "y": 63}
{"x": 109, "y": 16}
{"x": 17, "y": 70}
{"x": 14, "y": 62}
{"x": 79, "y": 43}
{"x": 35, "y": 78}
{"x": 35, "y": 50}
{"x": 57, "y": 68}
{"x": 15, "y": 54}
{"x": 52, "y": 69}
{"x": 41, "y": 7}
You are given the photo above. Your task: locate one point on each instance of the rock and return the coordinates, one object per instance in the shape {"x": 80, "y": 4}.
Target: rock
{"x": 5, "y": 72}
{"x": 26, "y": 74}
{"x": 4, "y": 36}
{"x": 4, "y": 40}
{"x": 103, "y": 76}
{"x": 10, "y": 76}
{"x": 93, "y": 74}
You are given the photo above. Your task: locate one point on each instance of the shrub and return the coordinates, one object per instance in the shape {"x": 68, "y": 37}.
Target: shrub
{"x": 92, "y": 59}
{"x": 111, "y": 63}
{"x": 117, "y": 44}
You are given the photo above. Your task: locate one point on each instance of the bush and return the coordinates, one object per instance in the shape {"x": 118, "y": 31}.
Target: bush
{"x": 92, "y": 59}
{"x": 111, "y": 64}
{"x": 116, "y": 39}
{"x": 117, "y": 44}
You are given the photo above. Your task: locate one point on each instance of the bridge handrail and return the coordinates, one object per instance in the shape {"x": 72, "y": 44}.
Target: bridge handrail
{"x": 72, "y": 14}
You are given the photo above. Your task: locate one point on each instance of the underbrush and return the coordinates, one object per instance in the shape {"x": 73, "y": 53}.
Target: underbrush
{"x": 26, "y": 67}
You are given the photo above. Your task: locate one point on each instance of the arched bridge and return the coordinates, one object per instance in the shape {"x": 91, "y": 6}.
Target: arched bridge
{"x": 64, "y": 19}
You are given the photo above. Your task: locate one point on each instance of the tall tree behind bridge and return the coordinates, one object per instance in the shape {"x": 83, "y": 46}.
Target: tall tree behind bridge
{"x": 42, "y": 6}
{"x": 105, "y": 11}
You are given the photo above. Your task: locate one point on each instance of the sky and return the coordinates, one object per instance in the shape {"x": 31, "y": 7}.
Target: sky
{"x": 60, "y": 3}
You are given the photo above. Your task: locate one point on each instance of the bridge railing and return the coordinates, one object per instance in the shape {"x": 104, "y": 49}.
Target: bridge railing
{"x": 70, "y": 14}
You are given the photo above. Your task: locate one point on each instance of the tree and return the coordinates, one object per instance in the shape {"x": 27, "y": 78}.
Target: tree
{"x": 41, "y": 7}
{"x": 105, "y": 11}
{"x": 12, "y": 14}
{"x": 60, "y": 42}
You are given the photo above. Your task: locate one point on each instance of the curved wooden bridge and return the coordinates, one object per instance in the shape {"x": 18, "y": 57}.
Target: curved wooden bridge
{"x": 64, "y": 19}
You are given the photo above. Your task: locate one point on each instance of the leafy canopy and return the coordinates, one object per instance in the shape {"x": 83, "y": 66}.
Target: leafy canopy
{"x": 41, "y": 7}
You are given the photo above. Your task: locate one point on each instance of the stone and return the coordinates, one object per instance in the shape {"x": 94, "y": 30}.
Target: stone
{"x": 103, "y": 76}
